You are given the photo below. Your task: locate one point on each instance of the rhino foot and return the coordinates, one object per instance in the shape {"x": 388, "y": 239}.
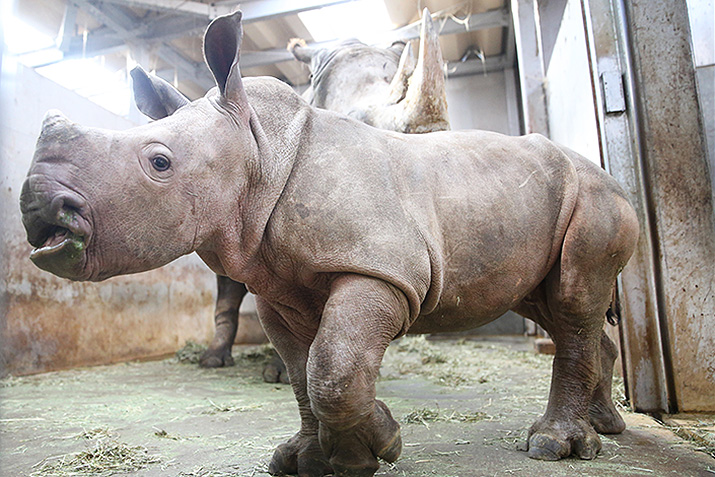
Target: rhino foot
{"x": 554, "y": 440}
{"x": 275, "y": 371}
{"x": 212, "y": 358}
{"x": 301, "y": 455}
{"x": 605, "y": 418}
{"x": 354, "y": 452}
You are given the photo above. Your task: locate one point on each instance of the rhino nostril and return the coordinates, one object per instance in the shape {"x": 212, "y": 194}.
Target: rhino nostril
{"x": 62, "y": 204}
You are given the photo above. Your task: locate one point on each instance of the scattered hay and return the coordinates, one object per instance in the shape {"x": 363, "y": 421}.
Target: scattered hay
{"x": 421, "y": 416}
{"x": 419, "y": 344}
{"x": 190, "y": 353}
{"x": 98, "y": 433}
{"x": 453, "y": 379}
{"x": 9, "y": 381}
{"x": 424, "y": 416}
{"x": 510, "y": 440}
{"x": 106, "y": 457}
{"x": 210, "y": 471}
{"x": 416, "y": 355}
{"x": 256, "y": 354}
{"x": 162, "y": 434}
{"x": 217, "y": 408}
{"x": 699, "y": 431}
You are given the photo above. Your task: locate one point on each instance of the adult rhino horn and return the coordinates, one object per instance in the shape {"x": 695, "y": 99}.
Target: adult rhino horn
{"x": 398, "y": 86}
{"x": 425, "y": 101}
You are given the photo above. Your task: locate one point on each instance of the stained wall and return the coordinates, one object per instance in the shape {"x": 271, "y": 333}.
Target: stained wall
{"x": 51, "y": 323}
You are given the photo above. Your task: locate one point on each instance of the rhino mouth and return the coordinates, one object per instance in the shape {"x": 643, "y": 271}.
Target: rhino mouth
{"x": 60, "y": 247}
{"x": 59, "y": 239}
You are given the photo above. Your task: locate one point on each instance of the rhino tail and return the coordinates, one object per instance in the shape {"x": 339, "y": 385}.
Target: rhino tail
{"x": 613, "y": 315}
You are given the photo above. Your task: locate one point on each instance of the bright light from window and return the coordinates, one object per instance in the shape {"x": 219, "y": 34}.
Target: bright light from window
{"x": 21, "y": 38}
{"x": 365, "y": 20}
{"x": 87, "y": 77}
{"x": 91, "y": 79}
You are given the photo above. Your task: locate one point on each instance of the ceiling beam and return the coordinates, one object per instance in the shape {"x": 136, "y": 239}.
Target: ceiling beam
{"x": 101, "y": 41}
{"x": 188, "y": 7}
{"x": 267, "y": 9}
{"x": 171, "y": 27}
{"x": 252, "y": 10}
{"x": 448, "y": 26}
{"x": 476, "y": 66}
{"x": 445, "y": 26}
{"x": 123, "y": 24}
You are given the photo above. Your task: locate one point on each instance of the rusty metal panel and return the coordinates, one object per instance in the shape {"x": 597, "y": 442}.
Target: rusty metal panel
{"x": 679, "y": 191}
{"x": 644, "y": 363}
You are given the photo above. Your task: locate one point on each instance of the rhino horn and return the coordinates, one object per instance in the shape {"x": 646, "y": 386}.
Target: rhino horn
{"x": 57, "y": 130}
{"x": 398, "y": 86}
{"x": 425, "y": 102}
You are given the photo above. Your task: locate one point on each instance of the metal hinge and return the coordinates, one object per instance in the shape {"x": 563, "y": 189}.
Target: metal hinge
{"x": 614, "y": 98}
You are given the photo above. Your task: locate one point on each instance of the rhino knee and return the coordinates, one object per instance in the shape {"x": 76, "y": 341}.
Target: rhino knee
{"x": 340, "y": 398}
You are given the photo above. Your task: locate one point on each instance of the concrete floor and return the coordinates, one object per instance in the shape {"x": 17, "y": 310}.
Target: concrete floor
{"x": 463, "y": 406}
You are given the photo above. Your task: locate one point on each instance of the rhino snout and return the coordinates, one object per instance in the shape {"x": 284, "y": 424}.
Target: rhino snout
{"x": 58, "y": 229}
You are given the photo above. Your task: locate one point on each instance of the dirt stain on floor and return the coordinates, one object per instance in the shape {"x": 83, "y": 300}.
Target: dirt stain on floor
{"x": 463, "y": 406}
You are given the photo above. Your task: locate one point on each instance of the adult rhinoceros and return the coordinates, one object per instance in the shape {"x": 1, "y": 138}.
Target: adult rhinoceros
{"x": 383, "y": 87}
{"x": 350, "y": 236}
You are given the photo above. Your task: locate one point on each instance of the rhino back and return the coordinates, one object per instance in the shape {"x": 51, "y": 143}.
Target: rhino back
{"x": 464, "y": 223}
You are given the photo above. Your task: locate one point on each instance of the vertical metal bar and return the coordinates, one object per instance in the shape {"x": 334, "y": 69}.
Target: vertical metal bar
{"x": 679, "y": 191}
{"x": 67, "y": 28}
{"x": 531, "y": 66}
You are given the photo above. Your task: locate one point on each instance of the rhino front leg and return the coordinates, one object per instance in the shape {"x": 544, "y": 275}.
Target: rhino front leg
{"x": 228, "y": 301}
{"x": 301, "y": 454}
{"x": 361, "y": 317}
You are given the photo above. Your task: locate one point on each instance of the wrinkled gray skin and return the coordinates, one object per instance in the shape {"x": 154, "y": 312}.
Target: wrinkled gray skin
{"x": 350, "y": 236}
{"x": 384, "y": 87}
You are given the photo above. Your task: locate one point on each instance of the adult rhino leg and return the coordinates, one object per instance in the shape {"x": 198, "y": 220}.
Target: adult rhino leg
{"x": 228, "y": 301}
{"x": 301, "y": 454}
{"x": 361, "y": 317}
{"x": 275, "y": 370}
{"x": 573, "y": 301}
{"x": 603, "y": 414}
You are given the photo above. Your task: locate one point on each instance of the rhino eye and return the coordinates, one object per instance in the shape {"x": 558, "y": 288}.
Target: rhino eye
{"x": 160, "y": 163}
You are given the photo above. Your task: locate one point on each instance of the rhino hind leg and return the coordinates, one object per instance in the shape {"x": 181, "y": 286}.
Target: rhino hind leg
{"x": 275, "y": 370}
{"x": 228, "y": 300}
{"x": 571, "y": 304}
{"x": 603, "y": 414}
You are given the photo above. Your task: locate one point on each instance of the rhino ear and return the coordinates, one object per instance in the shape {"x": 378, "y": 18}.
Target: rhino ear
{"x": 398, "y": 47}
{"x": 300, "y": 50}
{"x": 222, "y": 44}
{"x": 155, "y": 97}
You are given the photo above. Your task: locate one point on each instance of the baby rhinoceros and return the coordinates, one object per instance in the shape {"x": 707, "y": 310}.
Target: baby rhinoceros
{"x": 350, "y": 237}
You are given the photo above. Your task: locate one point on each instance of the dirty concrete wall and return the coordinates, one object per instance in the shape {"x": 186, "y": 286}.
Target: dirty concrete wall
{"x": 569, "y": 97}
{"x": 49, "y": 323}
